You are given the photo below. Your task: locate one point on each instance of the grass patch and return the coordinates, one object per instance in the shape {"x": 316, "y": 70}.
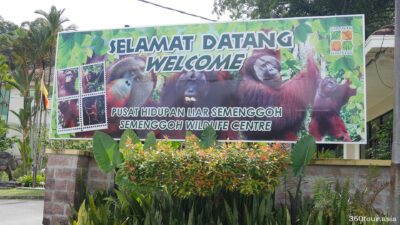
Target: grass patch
{"x": 14, "y": 192}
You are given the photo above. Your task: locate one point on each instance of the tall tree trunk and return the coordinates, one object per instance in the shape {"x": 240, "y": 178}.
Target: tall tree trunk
{"x": 23, "y": 153}
{"x": 36, "y": 149}
{"x": 37, "y": 146}
{"x": 25, "y": 134}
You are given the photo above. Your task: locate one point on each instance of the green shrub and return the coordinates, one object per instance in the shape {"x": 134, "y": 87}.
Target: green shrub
{"x": 219, "y": 208}
{"x": 192, "y": 170}
{"x": 61, "y": 145}
{"x": 7, "y": 142}
{"x": 3, "y": 176}
{"x": 26, "y": 180}
{"x": 202, "y": 183}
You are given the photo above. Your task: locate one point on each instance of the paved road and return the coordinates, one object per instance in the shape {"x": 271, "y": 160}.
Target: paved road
{"x": 21, "y": 212}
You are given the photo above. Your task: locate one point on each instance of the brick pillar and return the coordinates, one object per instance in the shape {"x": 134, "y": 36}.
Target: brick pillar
{"x": 63, "y": 179}
{"x": 97, "y": 179}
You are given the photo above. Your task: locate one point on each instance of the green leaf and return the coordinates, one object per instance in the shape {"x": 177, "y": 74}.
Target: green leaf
{"x": 346, "y": 63}
{"x": 76, "y": 84}
{"x": 288, "y": 217}
{"x": 83, "y": 217}
{"x": 208, "y": 137}
{"x": 89, "y": 52}
{"x": 128, "y": 135}
{"x": 317, "y": 26}
{"x": 150, "y": 141}
{"x": 254, "y": 26}
{"x": 188, "y": 134}
{"x": 301, "y": 154}
{"x": 314, "y": 39}
{"x": 246, "y": 215}
{"x": 347, "y": 74}
{"x": 175, "y": 144}
{"x": 323, "y": 46}
{"x": 228, "y": 211}
{"x": 327, "y": 23}
{"x": 262, "y": 211}
{"x": 291, "y": 63}
{"x": 98, "y": 44}
{"x": 319, "y": 217}
{"x": 350, "y": 106}
{"x": 355, "y": 81}
{"x": 191, "y": 217}
{"x": 117, "y": 158}
{"x": 104, "y": 148}
{"x": 302, "y": 31}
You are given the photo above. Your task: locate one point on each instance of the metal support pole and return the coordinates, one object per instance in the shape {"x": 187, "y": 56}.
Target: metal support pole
{"x": 395, "y": 168}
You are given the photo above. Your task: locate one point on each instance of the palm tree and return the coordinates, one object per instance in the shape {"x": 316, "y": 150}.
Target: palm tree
{"x": 6, "y": 29}
{"x": 54, "y": 21}
{"x": 33, "y": 46}
{"x": 22, "y": 49}
{"x": 40, "y": 38}
{"x": 29, "y": 50}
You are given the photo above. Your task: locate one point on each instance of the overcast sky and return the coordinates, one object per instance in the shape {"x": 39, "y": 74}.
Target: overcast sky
{"x": 98, "y": 15}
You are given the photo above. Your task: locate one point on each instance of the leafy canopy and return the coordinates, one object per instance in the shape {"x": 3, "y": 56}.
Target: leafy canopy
{"x": 377, "y": 12}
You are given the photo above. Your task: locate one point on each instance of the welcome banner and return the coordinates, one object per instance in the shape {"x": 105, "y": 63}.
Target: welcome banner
{"x": 263, "y": 80}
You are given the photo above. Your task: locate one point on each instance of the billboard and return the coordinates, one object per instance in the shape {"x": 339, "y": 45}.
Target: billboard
{"x": 263, "y": 80}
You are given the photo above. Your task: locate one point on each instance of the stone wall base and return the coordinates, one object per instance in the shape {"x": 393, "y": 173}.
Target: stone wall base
{"x": 67, "y": 174}
{"x": 358, "y": 177}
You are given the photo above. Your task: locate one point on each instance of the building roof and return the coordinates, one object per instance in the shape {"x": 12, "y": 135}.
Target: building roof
{"x": 379, "y": 59}
{"x": 385, "y": 30}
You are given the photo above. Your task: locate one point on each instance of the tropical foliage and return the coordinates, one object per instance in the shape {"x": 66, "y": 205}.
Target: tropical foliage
{"x": 192, "y": 170}
{"x": 60, "y": 145}
{"x": 220, "y": 208}
{"x": 152, "y": 197}
{"x": 27, "y": 180}
{"x": 377, "y": 12}
{"x": 380, "y": 144}
{"x": 5, "y": 142}
{"x": 29, "y": 50}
